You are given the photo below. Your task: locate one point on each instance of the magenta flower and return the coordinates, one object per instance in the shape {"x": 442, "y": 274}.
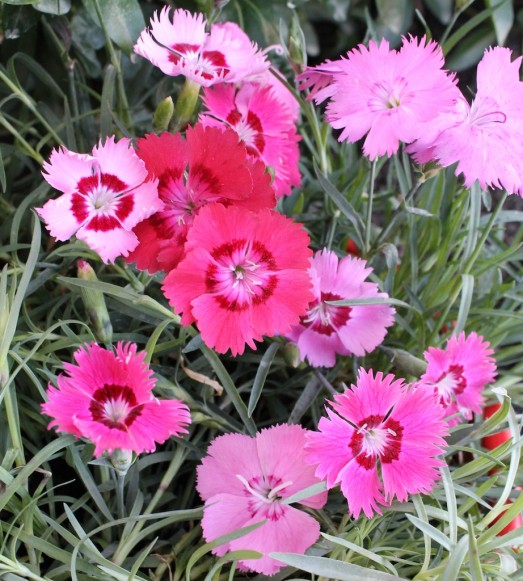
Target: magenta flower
{"x": 381, "y": 443}
{"x": 388, "y": 95}
{"x": 265, "y": 121}
{"x": 211, "y": 165}
{"x": 459, "y": 374}
{"x": 244, "y": 275}
{"x": 328, "y": 329}
{"x": 485, "y": 138}
{"x": 181, "y": 46}
{"x": 107, "y": 399}
{"x": 243, "y": 481}
{"x": 105, "y": 195}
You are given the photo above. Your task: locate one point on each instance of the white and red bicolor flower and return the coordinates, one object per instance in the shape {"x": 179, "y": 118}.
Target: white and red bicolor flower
{"x": 244, "y": 275}
{"x": 107, "y": 398}
{"x": 244, "y": 480}
{"x": 182, "y": 46}
{"x": 104, "y": 196}
{"x": 265, "y": 121}
{"x": 208, "y": 166}
{"x": 459, "y": 374}
{"x": 381, "y": 441}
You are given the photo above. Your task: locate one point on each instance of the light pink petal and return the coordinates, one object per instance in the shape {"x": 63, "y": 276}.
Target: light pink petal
{"x": 224, "y": 513}
{"x": 66, "y": 168}
{"x": 293, "y": 532}
{"x": 281, "y": 451}
{"x": 319, "y": 349}
{"x": 58, "y": 217}
{"x": 109, "y": 245}
{"x": 118, "y": 158}
{"x": 227, "y": 456}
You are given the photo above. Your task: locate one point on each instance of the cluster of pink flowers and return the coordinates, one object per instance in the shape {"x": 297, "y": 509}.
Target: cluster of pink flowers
{"x": 200, "y": 208}
{"x": 406, "y": 96}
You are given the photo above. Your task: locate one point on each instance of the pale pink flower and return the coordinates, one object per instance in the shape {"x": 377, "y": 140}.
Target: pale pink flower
{"x": 105, "y": 195}
{"x": 244, "y": 275}
{"x": 244, "y": 480}
{"x": 459, "y": 374}
{"x": 181, "y": 46}
{"x": 106, "y": 398}
{"x": 264, "y": 122}
{"x": 328, "y": 329}
{"x": 380, "y": 442}
{"x": 388, "y": 95}
{"x": 211, "y": 165}
{"x": 485, "y": 138}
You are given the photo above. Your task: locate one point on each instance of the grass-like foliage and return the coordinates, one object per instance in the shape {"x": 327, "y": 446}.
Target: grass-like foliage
{"x": 148, "y": 496}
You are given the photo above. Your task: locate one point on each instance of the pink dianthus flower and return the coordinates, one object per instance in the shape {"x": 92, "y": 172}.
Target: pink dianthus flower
{"x": 105, "y": 195}
{"x": 486, "y": 137}
{"x": 388, "y": 95}
{"x": 107, "y": 399}
{"x": 264, "y": 121}
{"x": 211, "y": 165}
{"x": 244, "y": 480}
{"x": 329, "y": 329}
{"x": 244, "y": 275}
{"x": 380, "y": 442}
{"x": 181, "y": 46}
{"x": 459, "y": 374}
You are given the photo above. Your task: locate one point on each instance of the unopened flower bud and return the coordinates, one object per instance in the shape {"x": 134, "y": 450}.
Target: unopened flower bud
{"x": 185, "y": 105}
{"x": 297, "y": 45}
{"x": 163, "y": 115}
{"x": 291, "y": 354}
{"x": 95, "y": 307}
{"x": 121, "y": 460}
{"x": 406, "y": 362}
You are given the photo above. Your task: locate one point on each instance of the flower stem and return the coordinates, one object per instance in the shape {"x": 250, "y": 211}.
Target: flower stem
{"x": 368, "y": 225}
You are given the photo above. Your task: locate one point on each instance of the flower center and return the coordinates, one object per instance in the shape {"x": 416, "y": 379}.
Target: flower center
{"x": 115, "y": 406}
{"x": 323, "y": 318}
{"x": 242, "y": 274}
{"x": 388, "y": 96}
{"x": 265, "y": 495}
{"x": 451, "y": 383}
{"x": 101, "y": 202}
{"x": 376, "y": 438}
{"x": 249, "y": 130}
{"x": 209, "y": 63}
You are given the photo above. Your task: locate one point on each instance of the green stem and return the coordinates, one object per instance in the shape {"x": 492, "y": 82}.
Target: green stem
{"x": 13, "y": 421}
{"x": 120, "y": 494}
{"x": 123, "y": 104}
{"x": 126, "y": 544}
{"x": 368, "y": 225}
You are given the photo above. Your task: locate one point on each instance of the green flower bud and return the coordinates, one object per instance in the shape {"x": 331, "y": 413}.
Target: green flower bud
{"x": 95, "y": 307}
{"x": 163, "y": 115}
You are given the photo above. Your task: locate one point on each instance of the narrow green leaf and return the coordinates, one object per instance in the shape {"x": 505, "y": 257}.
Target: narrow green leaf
{"x": 456, "y": 558}
{"x": 208, "y": 547}
{"x": 230, "y": 388}
{"x": 333, "y": 569}
{"x": 476, "y": 570}
{"x": 467, "y": 290}
{"x": 232, "y": 556}
{"x": 107, "y": 103}
{"x": 306, "y": 493}
{"x": 502, "y": 18}
{"x": 434, "y": 533}
{"x": 261, "y": 376}
{"x": 344, "y": 206}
